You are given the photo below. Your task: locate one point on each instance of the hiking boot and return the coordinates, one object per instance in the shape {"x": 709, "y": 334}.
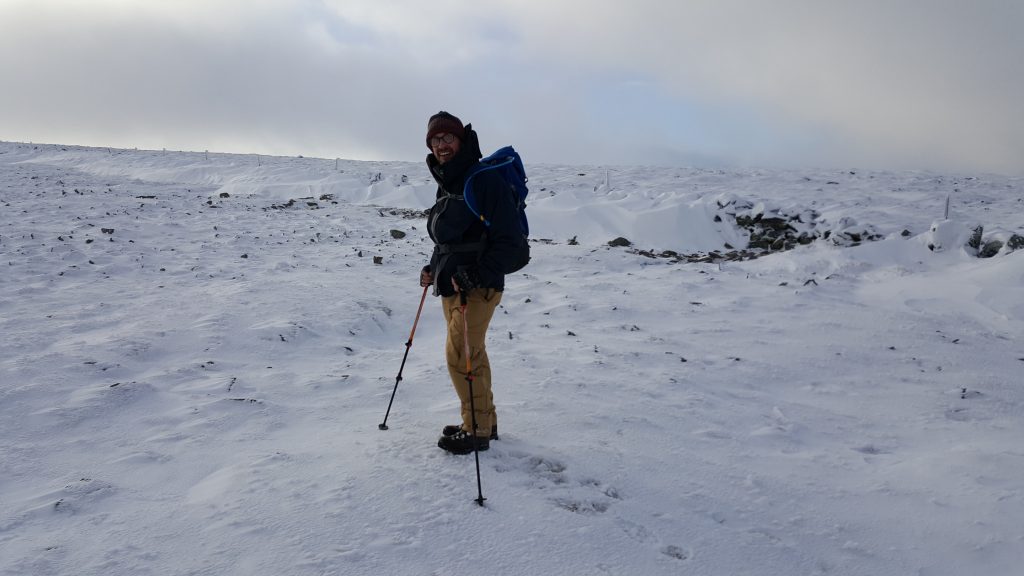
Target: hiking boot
{"x": 462, "y": 443}
{"x": 453, "y": 429}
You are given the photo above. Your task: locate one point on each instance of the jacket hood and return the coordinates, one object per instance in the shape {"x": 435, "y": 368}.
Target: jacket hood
{"x": 450, "y": 174}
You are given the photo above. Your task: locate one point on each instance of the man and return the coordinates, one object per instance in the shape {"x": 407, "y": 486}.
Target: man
{"x": 471, "y": 260}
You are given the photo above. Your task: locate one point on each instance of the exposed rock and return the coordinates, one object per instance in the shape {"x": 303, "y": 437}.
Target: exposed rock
{"x": 407, "y": 213}
{"x": 990, "y": 249}
{"x": 975, "y": 240}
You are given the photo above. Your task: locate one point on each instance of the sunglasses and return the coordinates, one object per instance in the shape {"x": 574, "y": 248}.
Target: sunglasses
{"x": 446, "y": 138}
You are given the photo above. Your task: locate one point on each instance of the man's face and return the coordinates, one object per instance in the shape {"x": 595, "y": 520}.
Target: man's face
{"x": 444, "y": 146}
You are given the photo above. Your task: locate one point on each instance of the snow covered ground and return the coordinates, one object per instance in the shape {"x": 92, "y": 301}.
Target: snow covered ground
{"x": 197, "y": 351}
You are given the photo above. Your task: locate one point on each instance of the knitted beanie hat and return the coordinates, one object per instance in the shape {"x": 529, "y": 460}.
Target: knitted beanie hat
{"x": 443, "y": 122}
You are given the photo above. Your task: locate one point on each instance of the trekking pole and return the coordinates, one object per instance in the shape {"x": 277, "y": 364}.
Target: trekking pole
{"x": 472, "y": 405}
{"x": 384, "y": 425}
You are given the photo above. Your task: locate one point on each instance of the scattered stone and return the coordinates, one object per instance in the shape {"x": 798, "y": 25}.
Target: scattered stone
{"x": 397, "y": 234}
{"x": 405, "y": 213}
{"x": 287, "y": 204}
{"x": 619, "y": 242}
{"x": 975, "y": 240}
{"x": 676, "y": 552}
{"x": 990, "y": 249}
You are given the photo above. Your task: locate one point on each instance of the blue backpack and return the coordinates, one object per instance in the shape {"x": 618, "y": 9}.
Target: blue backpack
{"x": 507, "y": 164}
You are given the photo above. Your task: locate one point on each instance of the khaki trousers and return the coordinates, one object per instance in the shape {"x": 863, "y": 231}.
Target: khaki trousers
{"x": 480, "y": 308}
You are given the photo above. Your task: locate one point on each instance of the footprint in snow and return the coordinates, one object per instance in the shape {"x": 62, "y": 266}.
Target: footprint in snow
{"x": 579, "y": 495}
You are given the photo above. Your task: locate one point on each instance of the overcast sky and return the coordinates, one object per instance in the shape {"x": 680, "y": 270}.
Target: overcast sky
{"x": 918, "y": 84}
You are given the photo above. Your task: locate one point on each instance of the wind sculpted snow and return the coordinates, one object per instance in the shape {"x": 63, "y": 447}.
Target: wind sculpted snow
{"x": 198, "y": 349}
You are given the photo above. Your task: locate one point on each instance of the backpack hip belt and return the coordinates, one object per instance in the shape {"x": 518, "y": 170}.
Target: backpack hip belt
{"x": 446, "y": 249}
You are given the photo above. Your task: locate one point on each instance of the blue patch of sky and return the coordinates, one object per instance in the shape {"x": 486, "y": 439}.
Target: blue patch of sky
{"x": 497, "y": 32}
{"x": 688, "y": 129}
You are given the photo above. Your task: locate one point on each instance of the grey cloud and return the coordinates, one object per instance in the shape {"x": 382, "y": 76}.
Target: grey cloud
{"x": 928, "y": 82}
{"x": 265, "y": 82}
{"x": 910, "y": 83}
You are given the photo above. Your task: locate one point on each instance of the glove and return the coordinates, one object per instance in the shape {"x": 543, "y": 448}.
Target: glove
{"x": 426, "y": 278}
{"x": 467, "y": 278}
{"x": 471, "y": 143}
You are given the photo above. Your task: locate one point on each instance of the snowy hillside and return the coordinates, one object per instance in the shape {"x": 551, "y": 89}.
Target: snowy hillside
{"x": 197, "y": 350}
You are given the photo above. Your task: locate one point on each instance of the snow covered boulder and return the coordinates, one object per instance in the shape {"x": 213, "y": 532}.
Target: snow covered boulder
{"x": 951, "y": 234}
{"x": 972, "y": 238}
